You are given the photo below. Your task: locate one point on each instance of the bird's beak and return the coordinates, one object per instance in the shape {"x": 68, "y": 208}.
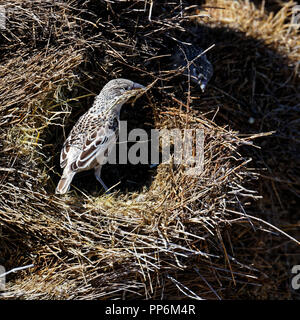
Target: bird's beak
{"x": 202, "y": 85}
{"x": 137, "y": 86}
{"x": 136, "y": 91}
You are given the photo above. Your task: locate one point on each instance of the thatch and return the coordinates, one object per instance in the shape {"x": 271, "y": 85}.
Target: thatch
{"x": 226, "y": 234}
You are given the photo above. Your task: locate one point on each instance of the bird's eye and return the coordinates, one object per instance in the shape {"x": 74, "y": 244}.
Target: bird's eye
{"x": 200, "y": 76}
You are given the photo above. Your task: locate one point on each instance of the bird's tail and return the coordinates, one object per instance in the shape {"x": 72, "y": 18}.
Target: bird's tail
{"x": 64, "y": 183}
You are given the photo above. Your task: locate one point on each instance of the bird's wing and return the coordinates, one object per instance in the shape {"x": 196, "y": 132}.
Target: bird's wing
{"x": 73, "y": 143}
{"x": 97, "y": 143}
{"x": 67, "y": 151}
{"x": 97, "y": 135}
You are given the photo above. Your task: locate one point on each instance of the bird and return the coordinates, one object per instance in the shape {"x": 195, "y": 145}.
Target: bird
{"x": 95, "y": 133}
{"x": 200, "y": 69}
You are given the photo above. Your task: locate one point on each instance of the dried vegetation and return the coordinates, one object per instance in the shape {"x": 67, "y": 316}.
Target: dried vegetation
{"x": 228, "y": 233}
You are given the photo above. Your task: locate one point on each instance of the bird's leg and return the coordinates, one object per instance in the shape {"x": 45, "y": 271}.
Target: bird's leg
{"x": 98, "y": 177}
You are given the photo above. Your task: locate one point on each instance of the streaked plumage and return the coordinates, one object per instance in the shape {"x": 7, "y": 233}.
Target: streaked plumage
{"x": 200, "y": 71}
{"x": 93, "y": 136}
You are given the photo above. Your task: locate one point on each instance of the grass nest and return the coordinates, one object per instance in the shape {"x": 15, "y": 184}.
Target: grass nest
{"x": 228, "y": 233}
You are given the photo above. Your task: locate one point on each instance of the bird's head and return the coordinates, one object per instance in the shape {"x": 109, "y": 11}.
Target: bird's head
{"x": 195, "y": 63}
{"x": 201, "y": 72}
{"x": 118, "y": 91}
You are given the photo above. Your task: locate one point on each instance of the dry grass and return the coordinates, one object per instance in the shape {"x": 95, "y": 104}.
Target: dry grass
{"x": 226, "y": 234}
